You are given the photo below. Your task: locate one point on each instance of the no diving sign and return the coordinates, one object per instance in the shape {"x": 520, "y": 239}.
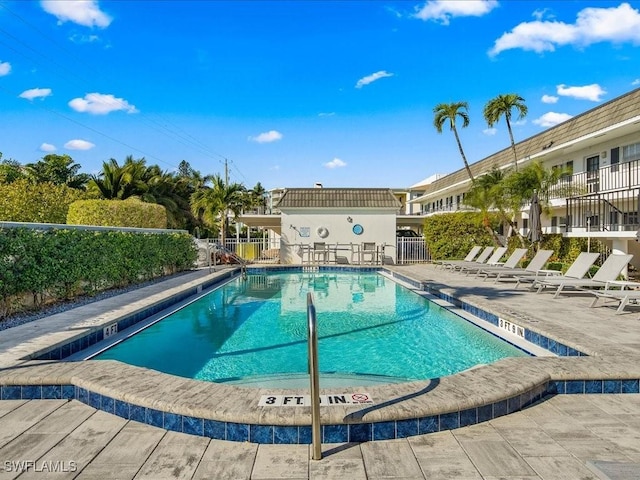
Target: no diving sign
{"x": 330, "y": 400}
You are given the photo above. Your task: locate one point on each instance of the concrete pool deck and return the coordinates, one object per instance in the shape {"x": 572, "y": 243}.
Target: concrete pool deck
{"x": 612, "y": 341}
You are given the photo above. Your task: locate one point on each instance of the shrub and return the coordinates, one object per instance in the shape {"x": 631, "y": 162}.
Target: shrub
{"x": 117, "y": 213}
{"x": 59, "y": 264}
{"x": 23, "y": 201}
{"x": 452, "y": 235}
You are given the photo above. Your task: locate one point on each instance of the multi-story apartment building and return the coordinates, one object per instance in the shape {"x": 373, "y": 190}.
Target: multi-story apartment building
{"x": 602, "y": 149}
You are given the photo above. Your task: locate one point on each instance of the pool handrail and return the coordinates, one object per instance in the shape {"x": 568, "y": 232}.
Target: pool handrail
{"x": 314, "y": 379}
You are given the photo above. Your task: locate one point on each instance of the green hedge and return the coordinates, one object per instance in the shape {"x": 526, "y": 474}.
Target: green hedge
{"x": 117, "y": 213}
{"x": 23, "y": 201}
{"x": 452, "y": 235}
{"x": 54, "y": 265}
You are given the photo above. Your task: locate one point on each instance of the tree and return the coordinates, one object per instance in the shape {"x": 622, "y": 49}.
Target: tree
{"x": 502, "y": 106}
{"x": 10, "y": 171}
{"x": 450, "y": 112}
{"x": 109, "y": 183}
{"x": 257, "y": 196}
{"x": 121, "y": 182}
{"x": 59, "y": 170}
{"x": 485, "y": 195}
{"x": 213, "y": 203}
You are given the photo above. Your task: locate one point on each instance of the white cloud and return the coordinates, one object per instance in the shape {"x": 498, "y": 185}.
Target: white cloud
{"x": 78, "y": 145}
{"x": 551, "y": 119}
{"x": 372, "y": 78}
{"x": 101, "y": 104}
{"x": 335, "y": 163}
{"x": 549, "y": 99}
{"x": 47, "y": 147}
{"x": 78, "y": 38}
{"x": 326, "y": 114}
{"x": 541, "y": 13}
{"x": 267, "y": 137}
{"x": 591, "y": 92}
{"x": 616, "y": 24}
{"x": 35, "y": 93}
{"x": 83, "y": 12}
{"x": 443, "y": 11}
{"x": 636, "y": 82}
{"x": 490, "y": 132}
{"x": 5, "y": 68}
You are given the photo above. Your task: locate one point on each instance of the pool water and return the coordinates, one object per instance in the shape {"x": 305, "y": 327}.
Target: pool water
{"x": 368, "y": 327}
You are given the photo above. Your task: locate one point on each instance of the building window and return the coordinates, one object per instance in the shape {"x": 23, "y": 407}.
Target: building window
{"x": 631, "y": 152}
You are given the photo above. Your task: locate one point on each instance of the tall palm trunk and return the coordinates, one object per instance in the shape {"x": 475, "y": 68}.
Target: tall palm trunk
{"x": 464, "y": 158}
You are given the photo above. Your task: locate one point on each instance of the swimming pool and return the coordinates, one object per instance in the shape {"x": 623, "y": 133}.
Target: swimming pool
{"x": 371, "y": 330}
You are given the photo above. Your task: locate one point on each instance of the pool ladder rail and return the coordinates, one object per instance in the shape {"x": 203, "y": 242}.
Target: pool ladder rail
{"x": 314, "y": 375}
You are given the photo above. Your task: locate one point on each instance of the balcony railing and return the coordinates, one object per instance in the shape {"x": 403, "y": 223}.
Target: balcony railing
{"x": 621, "y": 176}
{"x": 608, "y": 211}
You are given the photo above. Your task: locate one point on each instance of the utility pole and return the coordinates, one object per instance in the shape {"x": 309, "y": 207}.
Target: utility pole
{"x": 226, "y": 173}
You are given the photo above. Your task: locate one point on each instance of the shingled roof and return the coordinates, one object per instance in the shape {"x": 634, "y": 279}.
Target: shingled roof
{"x": 338, "y": 198}
{"x": 603, "y": 116}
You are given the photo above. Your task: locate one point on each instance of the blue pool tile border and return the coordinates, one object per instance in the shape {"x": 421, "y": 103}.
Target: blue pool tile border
{"x": 554, "y": 346}
{"x": 65, "y": 350}
{"x": 341, "y": 433}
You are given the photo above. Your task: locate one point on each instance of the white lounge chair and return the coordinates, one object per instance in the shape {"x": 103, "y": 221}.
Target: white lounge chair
{"x": 473, "y": 253}
{"x": 537, "y": 262}
{"x": 493, "y": 261}
{"x": 625, "y": 294}
{"x": 578, "y": 269}
{"x": 481, "y": 260}
{"x": 511, "y": 263}
{"x": 608, "y": 272}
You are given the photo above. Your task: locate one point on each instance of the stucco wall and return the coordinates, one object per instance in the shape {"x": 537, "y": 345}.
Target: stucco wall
{"x": 303, "y": 228}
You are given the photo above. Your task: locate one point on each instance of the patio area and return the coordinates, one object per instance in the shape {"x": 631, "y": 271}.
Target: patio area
{"x": 563, "y": 436}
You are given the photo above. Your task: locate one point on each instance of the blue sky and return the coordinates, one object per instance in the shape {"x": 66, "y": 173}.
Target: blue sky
{"x": 296, "y": 92}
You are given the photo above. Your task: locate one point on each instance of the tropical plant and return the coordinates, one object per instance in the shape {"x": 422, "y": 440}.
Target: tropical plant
{"x": 109, "y": 183}
{"x": 10, "y": 171}
{"x": 257, "y": 196}
{"x": 501, "y": 106}
{"x": 485, "y": 195}
{"x": 213, "y": 203}
{"x": 449, "y": 112}
{"x": 59, "y": 170}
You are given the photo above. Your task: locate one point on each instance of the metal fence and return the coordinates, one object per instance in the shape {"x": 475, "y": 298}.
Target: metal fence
{"x": 409, "y": 250}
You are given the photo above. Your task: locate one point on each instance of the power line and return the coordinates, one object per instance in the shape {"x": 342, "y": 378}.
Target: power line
{"x": 179, "y": 135}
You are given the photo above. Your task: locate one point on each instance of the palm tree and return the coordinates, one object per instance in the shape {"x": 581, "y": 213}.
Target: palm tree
{"x": 109, "y": 183}
{"x": 502, "y": 106}
{"x": 257, "y": 196}
{"x": 213, "y": 203}
{"x": 122, "y": 182}
{"x": 450, "y": 112}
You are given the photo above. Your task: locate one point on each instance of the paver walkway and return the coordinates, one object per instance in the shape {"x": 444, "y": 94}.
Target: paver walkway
{"x": 563, "y": 437}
